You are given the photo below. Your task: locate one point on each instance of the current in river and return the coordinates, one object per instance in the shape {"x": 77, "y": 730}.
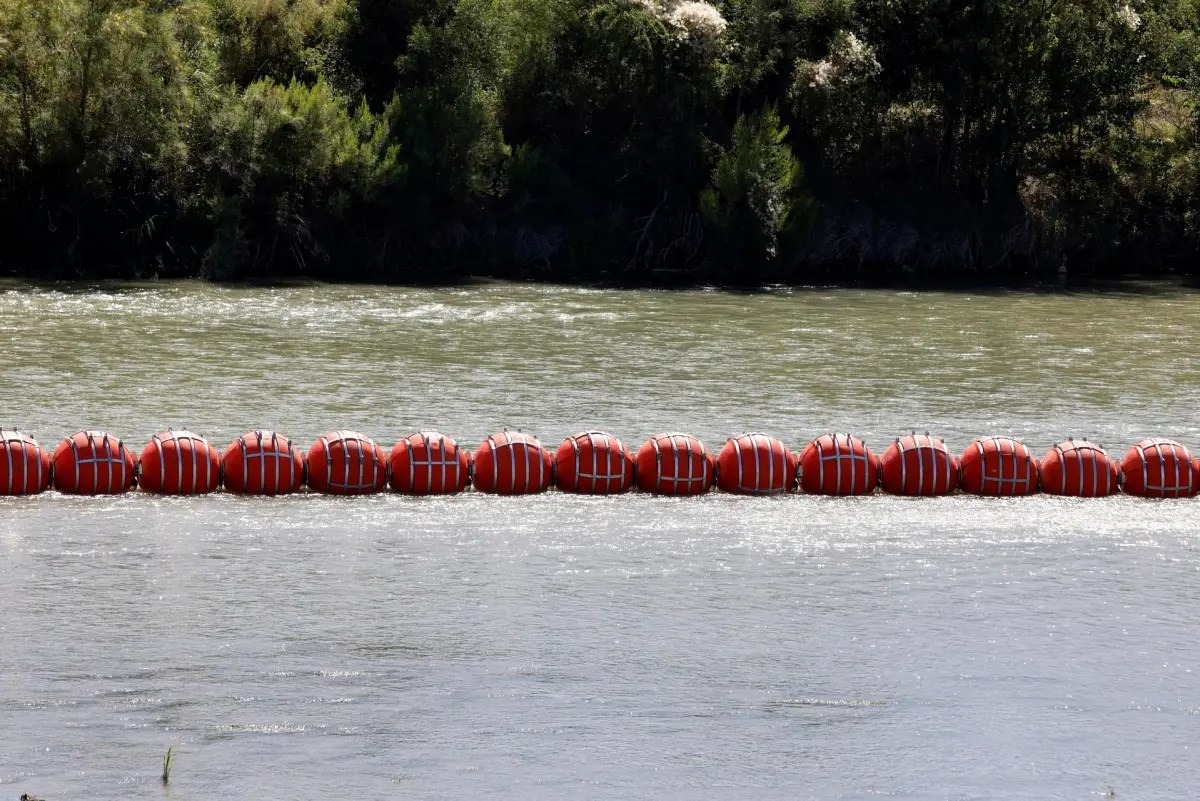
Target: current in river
{"x": 633, "y": 647}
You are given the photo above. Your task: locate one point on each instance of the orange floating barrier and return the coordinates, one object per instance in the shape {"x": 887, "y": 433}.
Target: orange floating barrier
{"x": 918, "y": 465}
{"x": 756, "y": 464}
{"x": 593, "y": 463}
{"x": 998, "y": 467}
{"x": 1078, "y": 469}
{"x": 179, "y": 463}
{"x": 428, "y": 463}
{"x": 346, "y": 463}
{"x": 675, "y": 464}
{"x": 512, "y": 464}
{"x": 838, "y": 464}
{"x": 24, "y": 465}
{"x": 93, "y": 463}
{"x": 262, "y": 463}
{"x": 1159, "y": 468}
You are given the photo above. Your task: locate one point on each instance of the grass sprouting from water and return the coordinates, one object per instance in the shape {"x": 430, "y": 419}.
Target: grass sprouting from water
{"x": 168, "y": 761}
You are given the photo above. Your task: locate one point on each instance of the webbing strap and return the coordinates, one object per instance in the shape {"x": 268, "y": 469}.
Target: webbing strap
{"x": 162, "y": 462}
{"x": 596, "y": 460}
{"x": 1062, "y": 458}
{"x": 512, "y": 458}
{"x": 442, "y": 452}
{"x": 412, "y": 463}
{"x": 329, "y": 463}
{"x": 575, "y": 452}
{"x": 512, "y": 450}
{"x": 738, "y": 450}
{"x": 492, "y": 446}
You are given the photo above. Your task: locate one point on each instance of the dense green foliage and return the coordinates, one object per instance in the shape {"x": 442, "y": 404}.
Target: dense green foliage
{"x": 740, "y": 141}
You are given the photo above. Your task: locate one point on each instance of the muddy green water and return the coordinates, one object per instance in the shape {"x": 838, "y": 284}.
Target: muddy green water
{"x": 559, "y": 647}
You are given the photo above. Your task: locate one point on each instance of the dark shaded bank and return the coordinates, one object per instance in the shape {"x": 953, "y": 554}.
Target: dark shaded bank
{"x": 1145, "y": 286}
{"x": 630, "y": 142}
{"x": 476, "y": 257}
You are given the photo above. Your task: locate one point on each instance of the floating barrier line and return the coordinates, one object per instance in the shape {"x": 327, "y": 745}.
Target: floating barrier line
{"x": 673, "y": 464}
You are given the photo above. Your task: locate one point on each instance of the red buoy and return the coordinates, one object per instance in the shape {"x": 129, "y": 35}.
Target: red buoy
{"x": 593, "y": 463}
{"x": 262, "y": 463}
{"x": 93, "y": 463}
{"x": 918, "y": 465}
{"x": 24, "y": 465}
{"x": 512, "y": 464}
{"x": 346, "y": 463}
{"x": 838, "y": 464}
{"x": 675, "y": 464}
{"x": 1078, "y": 469}
{"x": 1159, "y": 468}
{"x": 998, "y": 466}
{"x": 179, "y": 463}
{"x": 756, "y": 464}
{"x": 428, "y": 463}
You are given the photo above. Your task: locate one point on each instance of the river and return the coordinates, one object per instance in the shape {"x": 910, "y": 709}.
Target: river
{"x": 636, "y": 647}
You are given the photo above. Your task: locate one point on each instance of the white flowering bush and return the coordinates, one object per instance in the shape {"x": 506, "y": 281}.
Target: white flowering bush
{"x": 699, "y": 21}
{"x": 1128, "y": 16}
{"x": 850, "y": 60}
{"x": 694, "y": 21}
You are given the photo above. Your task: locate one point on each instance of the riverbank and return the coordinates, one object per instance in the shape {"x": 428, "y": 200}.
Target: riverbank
{"x": 631, "y": 142}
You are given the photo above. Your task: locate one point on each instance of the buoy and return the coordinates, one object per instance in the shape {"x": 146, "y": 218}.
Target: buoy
{"x": 179, "y": 463}
{"x": 262, "y": 463}
{"x": 1159, "y": 468}
{"x": 428, "y": 463}
{"x": 346, "y": 463}
{"x": 918, "y": 465}
{"x": 1078, "y": 469}
{"x": 93, "y": 463}
{"x": 998, "y": 466}
{"x": 675, "y": 464}
{"x": 593, "y": 463}
{"x": 24, "y": 465}
{"x": 756, "y": 464}
{"x": 838, "y": 464}
{"x": 512, "y": 464}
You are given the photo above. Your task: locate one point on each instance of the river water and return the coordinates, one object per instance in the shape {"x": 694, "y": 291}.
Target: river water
{"x": 636, "y": 647}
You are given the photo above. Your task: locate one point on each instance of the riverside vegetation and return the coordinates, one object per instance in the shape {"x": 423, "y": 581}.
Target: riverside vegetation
{"x": 740, "y": 142}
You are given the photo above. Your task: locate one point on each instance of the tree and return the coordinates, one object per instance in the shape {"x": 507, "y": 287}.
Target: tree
{"x": 754, "y": 202}
{"x": 1007, "y": 77}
